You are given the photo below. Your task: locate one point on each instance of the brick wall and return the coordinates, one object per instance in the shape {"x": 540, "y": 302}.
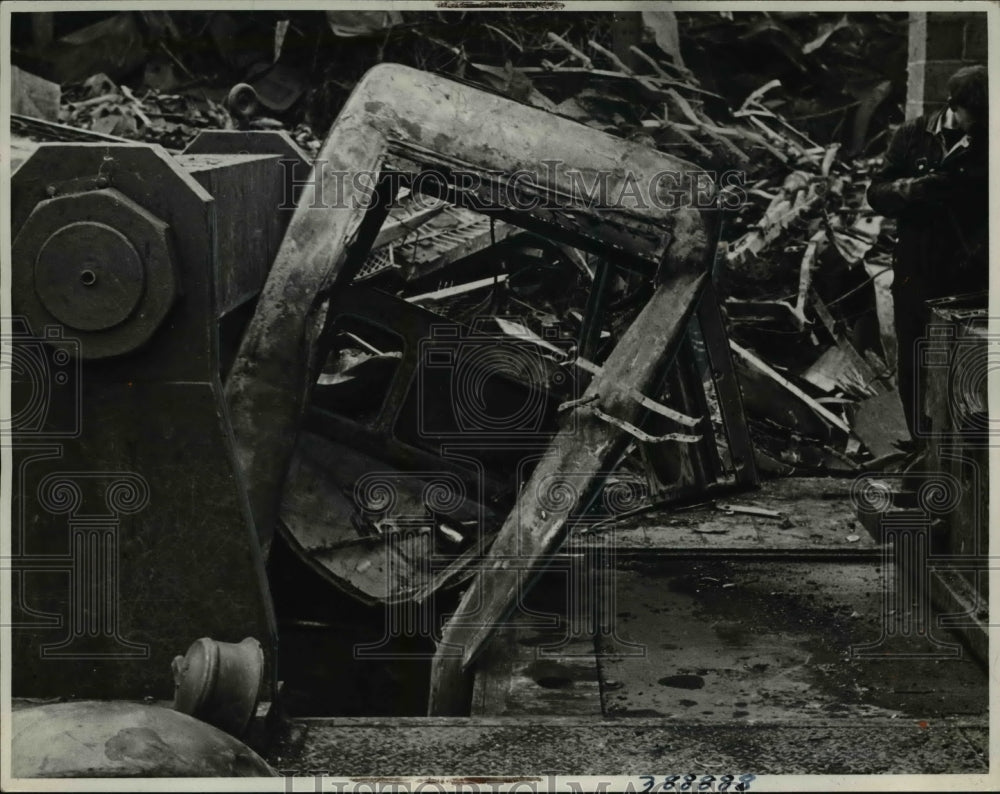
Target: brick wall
{"x": 940, "y": 44}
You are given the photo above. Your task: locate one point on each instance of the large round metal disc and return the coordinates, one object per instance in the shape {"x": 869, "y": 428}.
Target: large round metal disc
{"x": 119, "y": 739}
{"x": 89, "y": 276}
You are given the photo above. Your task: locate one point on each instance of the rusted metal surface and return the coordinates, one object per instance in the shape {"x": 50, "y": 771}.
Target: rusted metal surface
{"x": 431, "y": 122}
{"x": 82, "y": 269}
{"x": 957, "y": 359}
{"x": 563, "y": 481}
{"x": 126, "y": 494}
{"x": 247, "y": 188}
{"x": 220, "y": 682}
{"x": 103, "y": 739}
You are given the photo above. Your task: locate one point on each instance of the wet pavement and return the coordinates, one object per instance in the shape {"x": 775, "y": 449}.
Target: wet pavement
{"x": 773, "y": 641}
{"x": 718, "y": 662}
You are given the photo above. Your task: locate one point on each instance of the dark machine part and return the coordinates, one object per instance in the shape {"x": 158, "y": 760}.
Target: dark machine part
{"x": 88, "y": 276}
{"x": 270, "y": 215}
{"x": 131, "y": 532}
{"x": 954, "y": 492}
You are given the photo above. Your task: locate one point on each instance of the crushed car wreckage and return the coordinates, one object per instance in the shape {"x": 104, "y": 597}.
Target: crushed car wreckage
{"x": 422, "y": 124}
{"x": 486, "y": 335}
{"x": 391, "y": 445}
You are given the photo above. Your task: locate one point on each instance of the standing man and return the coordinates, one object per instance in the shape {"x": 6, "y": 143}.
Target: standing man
{"x": 935, "y": 183}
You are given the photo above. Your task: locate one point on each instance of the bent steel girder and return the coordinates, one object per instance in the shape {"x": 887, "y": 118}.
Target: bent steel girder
{"x": 562, "y": 485}
{"x": 430, "y": 122}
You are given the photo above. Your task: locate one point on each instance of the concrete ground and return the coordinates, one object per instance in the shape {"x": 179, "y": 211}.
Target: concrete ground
{"x": 511, "y": 746}
{"x": 729, "y": 643}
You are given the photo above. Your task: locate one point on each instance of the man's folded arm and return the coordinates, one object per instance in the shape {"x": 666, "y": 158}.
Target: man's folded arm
{"x": 893, "y": 191}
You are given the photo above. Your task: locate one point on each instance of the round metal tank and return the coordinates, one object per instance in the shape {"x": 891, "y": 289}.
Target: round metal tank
{"x": 92, "y": 738}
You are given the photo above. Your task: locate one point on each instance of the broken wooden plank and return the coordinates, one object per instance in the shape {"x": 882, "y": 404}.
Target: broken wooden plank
{"x": 560, "y": 485}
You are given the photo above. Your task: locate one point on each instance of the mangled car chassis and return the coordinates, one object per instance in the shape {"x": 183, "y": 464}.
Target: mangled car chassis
{"x": 395, "y": 449}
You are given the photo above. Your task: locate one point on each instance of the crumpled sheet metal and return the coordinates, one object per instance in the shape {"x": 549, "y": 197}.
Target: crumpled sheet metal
{"x": 402, "y": 112}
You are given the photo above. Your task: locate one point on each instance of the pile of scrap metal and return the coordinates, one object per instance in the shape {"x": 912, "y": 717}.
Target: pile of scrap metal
{"x": 391, "y": 440}
{"x": 814, "y": 401}
{"x": 514, "y": 325}
{"x": 424, "y": 435}
{"x": 500, "y": 321}
{"x": 812, "y": 325}
{"x": 804, "y": 261}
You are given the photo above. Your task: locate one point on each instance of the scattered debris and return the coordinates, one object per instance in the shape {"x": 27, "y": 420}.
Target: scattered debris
{"x": 879, "y": 423}
{"x": 171, "y": 120}
{"x": 749, "y": 510}
{"x": 805, "y": 263}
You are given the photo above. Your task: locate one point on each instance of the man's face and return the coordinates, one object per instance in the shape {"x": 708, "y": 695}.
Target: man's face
{"x": 963, "y": 119}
